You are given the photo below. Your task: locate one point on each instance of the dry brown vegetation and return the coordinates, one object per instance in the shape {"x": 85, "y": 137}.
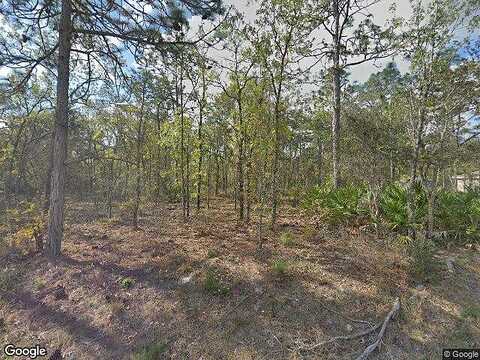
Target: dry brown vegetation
{"x": 206, "y": 291}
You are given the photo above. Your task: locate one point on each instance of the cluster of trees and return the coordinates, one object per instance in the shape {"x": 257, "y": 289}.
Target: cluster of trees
{"x": 259, "y": 112}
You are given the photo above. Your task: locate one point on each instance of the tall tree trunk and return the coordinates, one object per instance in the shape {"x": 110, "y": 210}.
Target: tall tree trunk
{"x": 48, "y": 181}
{"x": 182, "y": 142}
{"x": 336, "y": 97}
{"x": 187, "y": 177}
{"x": 241, "y": 181}
{"x": 276, "y": 156}
{"x": 277, "y": 119}
{"x": 413, "y": 176}
{"x": 248, "y": 193}
{"x": 319, "y": 161}
{"x": 10, "y": 179}
{"x": 200, "y": 141}
{"x": 225, "y": 170}
{"x": 110, "y": 189}
{"x": 57, "y": 195}
{"x": 209, "y": 167}
{"x": 217, "y": 174}
{"x": 159, "y": 159}
{"x": 139, "y": 161}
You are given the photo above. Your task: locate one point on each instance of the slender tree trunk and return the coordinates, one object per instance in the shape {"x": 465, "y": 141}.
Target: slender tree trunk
{"x": 200, "y": 141}
{"x": 413, "y": 176}
{"x": 48, "y": 181}
{"x": 10, "y": 179}
{"x": 182, "y": 143}
{"x": 248, "y": 194}
{"x": 276, "y": 156}
{"x": 209, "y": 166}
{"x": 336, "y": 97}
{"x": 110, "y": 190}
{"x": 57, "y": 195}
{"x": 241, "y": 181}
{"x": 277, "y": 119}
{"x": 217, "y": 174}
{"x": 158, "y": 159}
{"x": 188, "y": 193}
{"x": 139, "y": 161}
{"x": 225, "y": 170}
{"x": 319, "y": 161}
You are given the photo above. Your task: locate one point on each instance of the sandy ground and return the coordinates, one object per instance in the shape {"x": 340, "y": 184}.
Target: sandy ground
{"x": 205, "y": 290}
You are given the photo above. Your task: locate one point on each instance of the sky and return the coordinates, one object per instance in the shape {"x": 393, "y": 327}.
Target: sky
{"x": 358, "y": 73}
{"x": 380, "y": 12}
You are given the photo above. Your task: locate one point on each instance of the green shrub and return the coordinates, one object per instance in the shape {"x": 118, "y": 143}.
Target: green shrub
{"x": 421, "y": 252}
{"x": 393, "y": 207}
{"x": 127, "y": 283}
{"x": 458, "y": 215}
{"x": 280, "y": 267}
{"x": 26, "y": 223}
{"x": 39, "y": 283}
{"x": 337, "y": 206}
{"x": 472, "y": 312}
{"x": 287, "y": 239}
{"x": 150, "y": 352}
{"x": 9, "y": 278}
{"x": 213, "y": 284}
{"x": 212, "y": 253}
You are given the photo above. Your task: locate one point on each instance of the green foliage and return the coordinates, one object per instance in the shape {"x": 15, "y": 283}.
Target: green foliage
{"x": 280, "y": 267}
{"x": 213, "y": 283}
{"x": 337, "y": 206}
{"x": 8, "y": 278}
{"x": 287, "y": 239}
{"x": 393, "y": 206}
{"x": 472, "y": 312}
{"x": 212, "y": 253}
{"x": 421, "y": 252}
{"x": 39, "y": 283}
{"x": 150, "y": 352}
{"x": 458, "y": 214}
{"x": 127, "y": 283}
{"x": 310, "y": 232}
{"x": 25, "y": 226}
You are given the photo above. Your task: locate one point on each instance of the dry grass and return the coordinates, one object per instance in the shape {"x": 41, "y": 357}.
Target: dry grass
{"x": 333, "y": 277}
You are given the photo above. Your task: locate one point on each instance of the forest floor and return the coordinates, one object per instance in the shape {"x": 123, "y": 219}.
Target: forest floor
{"x": 203, "y": 290}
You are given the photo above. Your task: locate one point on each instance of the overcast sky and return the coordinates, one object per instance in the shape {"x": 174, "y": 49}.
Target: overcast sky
{"x": 360, "y": 72}
{"x": 380, "y": 12}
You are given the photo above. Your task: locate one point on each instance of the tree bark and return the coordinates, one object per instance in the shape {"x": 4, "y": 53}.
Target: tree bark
{"x": 241, "y": 181}
{"x": 48, "y": 181}
{"x": 182, "y": 142}
{"x": 57, "y": 194}
{"x": 320, "y": 161}
{"x": 139, "y": 161}
{"x": 336, "y": 97}
{"x": 413, "y": 176}
{"x": 200, "y": 140}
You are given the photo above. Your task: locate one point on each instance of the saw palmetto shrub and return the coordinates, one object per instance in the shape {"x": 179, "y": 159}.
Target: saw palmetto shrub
{"x": 457, "y": 215}
{"x": 336, "y": 206}
{"x": 393, "y": 207}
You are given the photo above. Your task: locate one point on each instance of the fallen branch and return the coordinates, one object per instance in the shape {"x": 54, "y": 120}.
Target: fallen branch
{"x": 395, "y": 308}
{"x": 336, "y": 338}
{"x": 372, "y": 347}
{"x": 346, "y": 317}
